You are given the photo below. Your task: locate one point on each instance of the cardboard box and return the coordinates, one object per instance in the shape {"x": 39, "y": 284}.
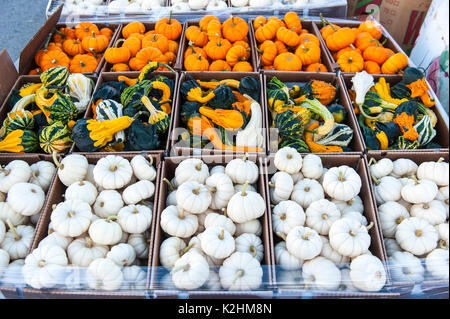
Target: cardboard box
{"x": 9, "y": 75}
{"x": 403, "y": 19}
{"x": 360, "y": 9}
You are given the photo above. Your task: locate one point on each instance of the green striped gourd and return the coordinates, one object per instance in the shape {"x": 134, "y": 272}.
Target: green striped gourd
{"x": 289, "y": 125}
{"x": 20, "y": 120}
{"x": 341, "y": 135}
{"x": 56, "y": 76}
{"x": 55, "y": 138}
{"x": 425, "y": 130}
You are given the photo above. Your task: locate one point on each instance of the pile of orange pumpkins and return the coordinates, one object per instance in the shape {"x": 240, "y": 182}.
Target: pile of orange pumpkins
{"x": 80, "y": 48}
{"x": 284, "y": 45}
{"x": 360, "y": 49}
{"x": 140, "y": 45}
{"x": 215, "y": 46}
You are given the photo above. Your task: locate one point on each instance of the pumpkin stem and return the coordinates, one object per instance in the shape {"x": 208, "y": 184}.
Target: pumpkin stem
{"x": 111, "y": 218}
{"x": 418, "y": 233}
{"x": 282, "y": 236}
{"x": 17, "y": 237}
{"x": 375, "y": 180}
{"x": 113, "y": 168}
{"x": 224, "y": 210}
{"x": 272, "y": 185}
{"x": 352, "y": 233}
{"x": 283, "y": 216}
{"x": 89, "y": 243}
{"x": 440, "y": 160}
{"x": 181, "y": 214}
{"x": 372, "y": 161}
{"x": 324, "y": 216}
{"x": 55, "y": 160}
{"x": 369, "y": 227}
{"x": 443, "y": 244}
{"x": 169, "y": 184}
{"x": 116, "y": 45}
{"x": 399, "y": 220}
{"x": 212, "y": 189}
{"x": 183, "y": 268}
{"x": 48, "y": 41}
{"x": 170, "y": 17}
{"x": 413, "y": 177}
{"x": 326, "y": 22}
{"x": 245, "y": 157}
{"x": 253, "y": 250}
{"x": 306, "y": 236}
{"x": 222, "y": 234}
{"x": 244, "y": 189}
{"x": 41, "y": 263}
{"x": 239, "y": 274}
{"x": 188, "y": 248}
{"x": 198, "y": 167}
{"x": 196, "y": 191}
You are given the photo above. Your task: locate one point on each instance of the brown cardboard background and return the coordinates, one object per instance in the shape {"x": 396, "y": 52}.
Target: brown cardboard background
{"x": 9, "y": 75}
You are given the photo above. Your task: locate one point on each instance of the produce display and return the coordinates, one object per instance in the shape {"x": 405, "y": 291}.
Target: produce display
{"x": 18, "y": 218}
{"x": 98, "y": 234}
{"x": 361, "y": 49}
{"x": 41, "y": 115}
{"x": 140, "y": 45}
{"x": 216, "y": 46}
{"x": 128, "y": 114}
{"x": 80, "y": 49}
{"x": 134, "y": 6}
{"x": 196, "y": 5}
{"x": 395, "y": 117}
{"x": 212, "y": 226}
{"x": 308, "y": 116}
{"x": 284, "y": 45}
{"x": 226, "y": 113}
{"x": 84, "y": 7}
{"x": 322, "y": 226}
{"x": 413, "y": 206}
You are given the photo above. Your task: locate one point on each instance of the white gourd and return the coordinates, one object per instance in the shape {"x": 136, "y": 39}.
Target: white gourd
{"x": 82, "y": 251}
{"x": 108, "y": 203}
{"x": 349, "y": 237}
{"x": 216, "y": 5}
{"x": 122, "y": 254}
{"x": 331, "y": 254}
{"x": 238, "y": 188}
{"x": 170, "y": 251}
{"x": 4, "y": 260}
{"x": 140, "y": 243}
{"x": 90, "y": 176}
{"x": 216, "y": 169}
{"x": 72, "y": 168}
{"x": 105, "y": 231}
{"x": 355, "y": 215}
{"x": 281, "y": 187}
{"x": 367, "y": 273}
{"x": 193, "y": 197}
{"x": 387, "y": 189}
{"x": 391, "y": 215}
{"x": 239, "y": 3}
{"x": 245, "y": 206}
{"x": 56, "y": 239}
{"x": 82, "y": 190}
{"x": 104, "y": 274}
{"x": 303, "y": 242}
{"x": 2, "y": 230}
{"x": 113, "y": 172}
{"x": 436, "y": 263}
{"x": 307, "y": 191}
{"x": 417, "y": 236}
{"x": 287, "y": 215}
{"x": 381, "y": 168}
{"x": 42, "y": 174}
{"x": 138, "y": 192}
{"x": 434, "y": 212}
{"x": 135, "y": 219}
{"x": 241, "y": 271}
{"x": 442, "y": 230}
{"x": 142, "y": 168}
{"x": 296, "y": 177}
{"x": 17, "y": 241}
{"x": 312, "y": 166}
{"x": 16, "y": 171}
{"x": 405, "y": 267}
{"x": 354, "y": 205}
{"x": 321, "y": 273}
{"x": 342, "y": 183}
{"x": 33, "y": 194}
{"x": 321, "y": 214}
{"x": 45, "y": 267}
{"x": 391, "y": 246}
{"x": 134, "y": 278}
{"x": 346, "y": 282}
{"x": 434, "y": 171}
{"x": 191, "y": 271}
{"x": 288, "y": 160}
{"x": 252, "y": 244}
{"x": 191, "y": 169}
{"x": 419, "y": 191}
{"x": 176, "y": 222}
{"x": 217, "y": 242}
{"x": 71, "y": 218}
{"x": 242, "y": 170}
{"x": 214, "y": 219}
{"x": 252, "y": 134}
{"x": 404, "y": 167}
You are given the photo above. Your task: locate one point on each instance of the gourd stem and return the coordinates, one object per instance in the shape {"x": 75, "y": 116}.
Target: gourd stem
{"x": 399, "y": 220}
{"x": 5, "y": 171}
{"x": 350, "y": 202}
{"x": 413, "y": 177}
{"x": 169, "y": 184}
{"x": 426, "y": 206}
{"x": 41, "y": 263}
{"x": 111, "y": 218}
{"x": 198, "y": 167}
{"x": 372, "y": 161}
{"x": 352, "y": 233}
{"x": 55, "y": 159}
{"x": 48, "y": 41}
{"x": 244, "y": 189}
{"x": 89, "y": 243}
{"x": 212, "y": 189}
{"x": 272, "y": 185}
{"x": 183, "y": 268}
{"x": 17, "y": 237}
{"x": 113, "y": 168}
{"x": 118, "y": 41}
{"x": 181, "y": 215}
{"x": 196, "y": 191}
{"x": 375, "y": 180}
{"x": 324, "y": 216}
{"x": 239, "y": 274}
{"x": 306, "y": 236}
{"x": 222, "y": 234}
{"x": 282, "y": 236}
{"x": 369, "y": 227}
{"x": 283, "y": 216}
{"x": 440, "y": 160}
{"x": 443, "y": 244}
{"x": 341, "y": 177}
{"x": 253, "y": 250}
{"x": 188, "y": 248}
{"x": 170, "y": 17}
{"x": 245, "y": 157}
{"x": 148, "y": 105}
{"x": 418, "y": 232}
{"x": 224, "y": 210}
{"x": 326, "y": 22}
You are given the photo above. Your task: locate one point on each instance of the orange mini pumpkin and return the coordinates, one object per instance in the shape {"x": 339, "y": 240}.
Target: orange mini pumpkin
{"x": 64, "y": 34}
{"x": 95, "y": 43}
{"x": 195, "y": 35}
{"x": 120, "y": 67}
{"x": 288, "y": 36}
{"x": 217, "y": 48}
{"x": 268, "y": 51}
{"x": 170, "y": 28}
{"x": 54, "y": 58}
{"x": 308, "y": 53}
{"x": 267, "y": 32}
{"x": 259, "y": 21}
{"x": 173, "y": 46}
{"x": 293, "y": 21}
{"x": 171, "y": 57}
{"x": 107, "y": 32}
{"x": 156, "y": 40}
{"x": 234, "y": 29}
{"x": 147, "y": 55}
{"x": 133, "y": 27}
{"x": 365, "y": 40}
{"x": 203, "y": 23}
{"x": 281, "y": 47}
{"x": 236, "y": 54}
{"x": 214, "y": 29}
{"x": 196, "y": 62}
{"x": 376, "y": 54}
{"x": 372, "y": 67}
{"x": 243, "y": 66}
{"x": 194, "y": 50}
{"x": 84, "y": 29}
{"x": 395, "y": 64}
{"x": 338, "y": 54}
{"x": 133, "y": 44}
{"x": 316, "y": 67}
{"x": 340, "y": 39}
{"x": 308, "y": 37}
{"x": 219, "y": 65}
{"x": 351, "y": 62}
{"x": 287, "y": 62}
{"x": 117, "y": 55}
{"x": 83, "y": 63}
{"x": 73, "y": 47}
{"x": 373, "y": 28}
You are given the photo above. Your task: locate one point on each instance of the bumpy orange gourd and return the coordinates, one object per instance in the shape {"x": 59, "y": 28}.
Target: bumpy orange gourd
{"x": 236, "y": 54}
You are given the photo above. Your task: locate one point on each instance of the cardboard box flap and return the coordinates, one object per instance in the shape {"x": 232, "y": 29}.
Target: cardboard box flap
{"x": 9, "y": 75}
{"x": 27, "y": 54}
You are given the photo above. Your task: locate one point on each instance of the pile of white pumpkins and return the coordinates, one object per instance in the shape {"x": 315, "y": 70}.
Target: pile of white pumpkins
{"x": 212, "y": 223}
{"x": 319, "y": 217}
{"x": 98, "y": 236}
{"x": 413, "y": 206}
{"x": 18, "y": 217}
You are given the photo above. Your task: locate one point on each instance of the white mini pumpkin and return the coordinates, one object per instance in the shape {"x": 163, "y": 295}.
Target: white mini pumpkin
{"x": 142, "y": 168}
{"x": 434, "y": 171}
{"x": 331, "y": 254}
{"x": 419, "y": 191}
{"x": 404, "y": 167}
{"x": 4, "y": 260}
{"x": 242, "y": 170}
{"x": 253, "y": 226}
{"x": 193, "y": 197}
{"x": 214, "y": 219}
{"x": 138, "y": 192}
{"x": 176, "y": 222}
{"x": 108, "y": 203}
{"x": 191, "y": 169}
{"x": 45, "y": 267}
{"x": 217, "y": 242}
{"x": 321, "y": 214}
{"x": 355, "y": 215}
{"x": 190, "y": 271}
{"x": 442, "y": 230}
{"x": 285, "y": 259}
{"x": 434, "y": 212}
{"x": 312, "y": 166}
{"x": 82, "y": 251}
{"x": 281, "y": 187}
{"x": 238, "y": 188}
{"x": 140, "y": 243}
{"x": 417, "y": 236}
{"x": 405, "y": 267}
{"x": 349, "y": 237}
{"x": 436, "y": 264}
{"x": 135, "y": 219}
{"x": 391, "y": 215}
{"x": 104, "y": 274}
{"x": 342, "y": 183}
{"x": 82, "y": 190}
{"x": 221, "y": 188}
{"x": 245, "y": 206}
{"x": 73, "y": 168}
{"x": 287, "y": 215}
{"x": 113, "y": 172}
{"x": 303, "y": 242}
{"x": 354, "y": 205}
{"x": 387, "y": 189}
{"x": 134, "y": 278}
{"x": 42, "y": 174}
{"x": 2, "y": 230}
{"x": 288, "y": 160}
{"x": 391, "y": 246}
{"x": 33, "y": 194}
{"x": 252, "y": 244}
{"x": 367, "y": 273}
{"x": 382, "y": 168}
{"x": 170, "y": 250}
{"x": 122, "y": 254}
{"x": 307, "y": 191}
{"x": 105, "y": 231}
{"x": 17, "y": 241}
{"x": 71, "y": 217}
{"x": 216, "y": 169}
{"x": 7, "y": 213}
{"x": 297, "y": 177}
{"x": 57, "y": 239}
{"x": 241, "y": 271}
{"x": 17, "y": 171}
{"x": 321, "y": 273}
